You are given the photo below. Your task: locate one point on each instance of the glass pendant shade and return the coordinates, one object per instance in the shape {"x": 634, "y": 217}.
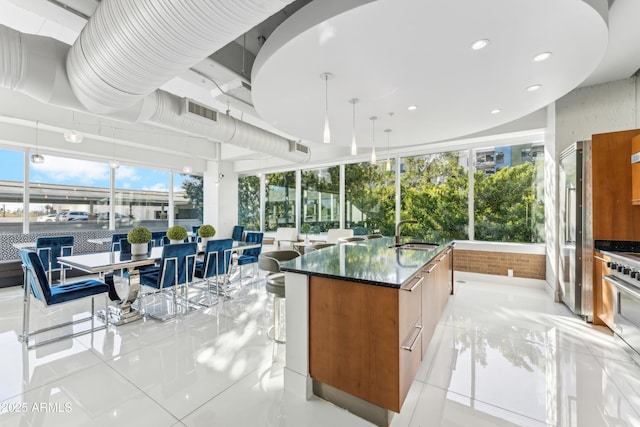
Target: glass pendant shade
{"x": 354, "y": 146}
{"x": 37, "y": 158}
{"x": 373, "y": 156}
{"x": 114, "y": 164}
{"x": 388, "y": 165}
{"x": 327, "y": 132}
{"x": 187, "y": 169}
{"x": 73, "y": 137}
{"x": 326, "y": 137}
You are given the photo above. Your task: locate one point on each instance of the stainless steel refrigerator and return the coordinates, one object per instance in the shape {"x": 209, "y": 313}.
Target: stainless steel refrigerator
{"x": 575, "y": 270}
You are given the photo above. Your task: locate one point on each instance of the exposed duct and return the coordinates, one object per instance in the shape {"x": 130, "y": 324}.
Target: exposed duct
{"x": 35, "y": 65}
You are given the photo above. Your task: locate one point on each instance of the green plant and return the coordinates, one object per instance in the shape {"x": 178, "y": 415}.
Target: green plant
{"x": 177, "y": 232}
{"x": 139, "y": 235}
{"x": 206, "y": 231}
{"x": 305, "y": 228}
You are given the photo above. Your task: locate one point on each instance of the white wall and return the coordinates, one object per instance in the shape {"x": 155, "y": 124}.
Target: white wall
{"x": 220, "y": 197}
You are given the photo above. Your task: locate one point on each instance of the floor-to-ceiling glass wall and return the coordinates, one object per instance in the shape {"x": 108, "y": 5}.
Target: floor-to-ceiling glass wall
{"x": 320, "y": 207}
{"x": 370, "y": 198}
{"x": 280, "y": 207}
{"x": 508, "y": 196}
{"x": 434, "y": 192}
{"x": 141, "y": 198}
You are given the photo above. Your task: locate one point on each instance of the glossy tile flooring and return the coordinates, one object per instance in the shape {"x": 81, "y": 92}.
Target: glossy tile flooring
{"x": 502, "y": 356}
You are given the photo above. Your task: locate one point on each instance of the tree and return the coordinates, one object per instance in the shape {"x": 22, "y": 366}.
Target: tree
{"x": 249, "y": 202}
{"x": 192, "y": 186}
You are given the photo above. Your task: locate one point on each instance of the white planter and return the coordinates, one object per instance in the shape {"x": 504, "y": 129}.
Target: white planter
{"x": 139, "y": 248}
{"x": 204, "y": 241}
{"x": 173, "y": 242}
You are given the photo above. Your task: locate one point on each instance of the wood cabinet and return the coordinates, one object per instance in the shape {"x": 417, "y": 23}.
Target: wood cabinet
{"x": 368, "y": 340}
{"x": 635, "y": 172}
{"x": 603, "y": 292}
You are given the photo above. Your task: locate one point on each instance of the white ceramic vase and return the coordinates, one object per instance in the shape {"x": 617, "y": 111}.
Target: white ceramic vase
{"x": 139, "y": 248}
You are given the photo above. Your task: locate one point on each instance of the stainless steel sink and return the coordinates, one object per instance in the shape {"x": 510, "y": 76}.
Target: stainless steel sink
{"x": 416, "y": 246}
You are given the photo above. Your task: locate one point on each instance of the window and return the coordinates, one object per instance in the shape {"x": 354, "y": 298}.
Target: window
{"x": 434, "y": 191}
{"x": 142, "y": 198}
{"x": 370, "y": 198}
{"x": 187, "y": 200}
{"x": 67, "y": 194}
{"x": 280, "y": 209}
{"x": 321, "y": 199}
{"x": 249, "y": 202}
{"x": 509, "y": 204}
{"x": 11, "y": 185}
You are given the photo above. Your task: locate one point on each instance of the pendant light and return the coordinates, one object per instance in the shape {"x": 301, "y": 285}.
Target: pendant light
{"x": 72, "y": 135}
{"x": 388, "y": 167}
{"x": 326, "y": 138}
{"x": 354, "y": 146}
{"x": 37, "y": 157}
{"x": 113, "y": 163}
{"x": 373, "y": 139}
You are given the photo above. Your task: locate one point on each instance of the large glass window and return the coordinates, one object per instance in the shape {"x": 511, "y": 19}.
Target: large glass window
{"x": 249, "y": 202}
{"x": 509, "y": 203}
{"x": 11, "y": 189}
{"x": 280, "y": 209}
{"x": 142, "y": 198}
{"x": 66, "y": 194}
{"x": 187, "y": 200}
{"x": 370, "y": 198}
{"x": 321, "y": 199}
{"x": 434, "y": 192}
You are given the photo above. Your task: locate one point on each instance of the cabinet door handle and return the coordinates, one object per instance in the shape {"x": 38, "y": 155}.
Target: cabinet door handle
{"x": 428, "y": 271}
{"x": 411, "y": 287}
{"x": 413, "y": 338}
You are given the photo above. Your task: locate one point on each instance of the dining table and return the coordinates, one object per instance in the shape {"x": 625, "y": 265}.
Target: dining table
{"x": 103, "y": 262}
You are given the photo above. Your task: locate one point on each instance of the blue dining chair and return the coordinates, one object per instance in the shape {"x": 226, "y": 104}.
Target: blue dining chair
{"x": 115, "y": 241}
{"x": 157, "y": 237}
{"x": 49, "y": 249}
{"x": 36, "y": 284}
{"x": 176, "y": 268}
{"x": 236, "y": 235}
{"x": 217, "y": 255}
{"x": 194, "y": 230}
{"x": 250, "y": 256}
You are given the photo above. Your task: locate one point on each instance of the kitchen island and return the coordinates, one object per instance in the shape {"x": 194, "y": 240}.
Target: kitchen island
{"x": 359, "y": 317}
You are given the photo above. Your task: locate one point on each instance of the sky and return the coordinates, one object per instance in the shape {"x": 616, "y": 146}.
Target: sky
{"x": 65, "y": 171}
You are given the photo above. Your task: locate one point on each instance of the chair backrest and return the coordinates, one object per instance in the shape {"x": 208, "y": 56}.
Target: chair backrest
{"x": 221, "y": 248}
{"x": 236, "y": 235}
{"x": 35, "y": 275}
{"x": 286, "y": 234}
{"x": 351, "y": 239}
{"x": 317, "y": 246}
{"x": 50, "y": 248}
{"x": 253, "y": 237}
{"x": 157, "y": 237}
{"x": 177, "y": 264}
{"x": 270, "y": 261}
{"x": 125, "y": 247}
{"x": 335, "y": 233}
{"x": 115, "y": 241}
{"x": 195, "y": 229}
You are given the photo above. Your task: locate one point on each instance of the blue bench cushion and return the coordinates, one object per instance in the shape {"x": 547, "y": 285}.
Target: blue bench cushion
{"x": 72, "y": 291}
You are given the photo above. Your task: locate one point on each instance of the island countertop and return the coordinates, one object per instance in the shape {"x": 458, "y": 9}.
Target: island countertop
{"x": 375, "y": 262}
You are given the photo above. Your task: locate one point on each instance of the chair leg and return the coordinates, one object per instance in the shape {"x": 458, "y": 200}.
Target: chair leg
{"x": 26, "y": 310}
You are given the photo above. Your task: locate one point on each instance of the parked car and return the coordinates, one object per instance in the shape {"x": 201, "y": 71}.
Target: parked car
{"x": 48, "y": 218}
{"x": 74, "y": 216}
{"x": 103, "y": 219}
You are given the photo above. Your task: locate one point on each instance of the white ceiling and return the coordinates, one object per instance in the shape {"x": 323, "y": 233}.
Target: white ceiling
{"x": 393, "y": 53}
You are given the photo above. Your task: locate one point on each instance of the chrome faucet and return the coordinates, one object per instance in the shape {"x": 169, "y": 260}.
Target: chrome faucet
{"x": 398, "y": 232}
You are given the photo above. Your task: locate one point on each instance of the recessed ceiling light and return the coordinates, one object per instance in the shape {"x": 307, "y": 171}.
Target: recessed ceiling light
{"x": 542, "y": 57}
{"x": 479, "y": 44}
{"x": 533, "y": 88}
{"x": 496, "y": 111}
{"x": 412, "y": 107}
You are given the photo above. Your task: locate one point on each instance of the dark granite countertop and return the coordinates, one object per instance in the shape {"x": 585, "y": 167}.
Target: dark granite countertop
{"x": 373, "y": 261}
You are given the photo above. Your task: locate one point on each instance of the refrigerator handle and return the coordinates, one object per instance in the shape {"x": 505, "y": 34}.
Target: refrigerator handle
{"x": 567, "y": 215}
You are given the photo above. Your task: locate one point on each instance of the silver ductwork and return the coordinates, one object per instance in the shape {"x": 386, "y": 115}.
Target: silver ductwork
{"x": 126, "y": 51}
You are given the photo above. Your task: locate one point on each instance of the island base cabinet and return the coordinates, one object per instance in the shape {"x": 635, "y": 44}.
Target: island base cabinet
{"x": 365, "y": 340}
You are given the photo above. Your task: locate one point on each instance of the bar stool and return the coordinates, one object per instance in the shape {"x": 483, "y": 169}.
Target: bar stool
{"x": 270, "y": 261}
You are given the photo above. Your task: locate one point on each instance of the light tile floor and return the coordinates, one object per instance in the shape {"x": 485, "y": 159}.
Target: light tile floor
{"x": 501, "y": 356}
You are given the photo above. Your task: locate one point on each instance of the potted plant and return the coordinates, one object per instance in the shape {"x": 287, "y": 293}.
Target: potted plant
{"x": 306, "y": 229}
{"x": 177, "y": 234}
{"x": 206, "y": 232}
{"x": 139, "y": 238}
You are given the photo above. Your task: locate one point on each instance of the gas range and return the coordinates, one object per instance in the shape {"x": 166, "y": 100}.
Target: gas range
{"x": 625, "y": 266}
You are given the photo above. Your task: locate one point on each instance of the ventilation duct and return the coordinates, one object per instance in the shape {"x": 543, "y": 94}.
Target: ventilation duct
{"x": 35, "y": 66}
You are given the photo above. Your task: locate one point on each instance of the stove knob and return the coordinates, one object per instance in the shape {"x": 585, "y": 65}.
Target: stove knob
{"x": 620, "y": 267}
{"x": 626, "y": 270}
{"x": 634, "y": 273}
{"x": 609, "y": 264}
{"x": 614, "y": 265}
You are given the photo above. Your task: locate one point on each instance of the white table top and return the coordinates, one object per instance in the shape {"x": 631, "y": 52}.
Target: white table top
{"x": 107, "y": 261}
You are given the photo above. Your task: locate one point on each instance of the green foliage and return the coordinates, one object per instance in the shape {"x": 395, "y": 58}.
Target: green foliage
{"x": 249, "y": 202}
{"x": 305, "y": 228}
{"x": 206, "y": 230}
{"x": 139, "y": 235}
{"x": 177, "y": 232}
{"x": 193, "y": 186}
